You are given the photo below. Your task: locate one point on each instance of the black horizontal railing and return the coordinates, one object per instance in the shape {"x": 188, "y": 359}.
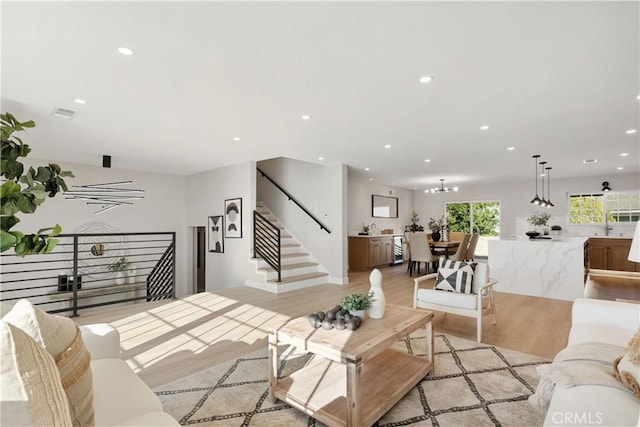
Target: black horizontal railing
{"x": 267, "y": 243}
{"x": 293, "y": 199}
{"x": 95, "y": 259}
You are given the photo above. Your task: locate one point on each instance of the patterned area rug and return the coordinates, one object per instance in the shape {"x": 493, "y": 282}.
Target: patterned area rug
{"x": 473, "y": 385}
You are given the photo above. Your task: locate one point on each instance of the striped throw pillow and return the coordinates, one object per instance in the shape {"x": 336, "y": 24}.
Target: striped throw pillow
{"x": 61, "y": 337}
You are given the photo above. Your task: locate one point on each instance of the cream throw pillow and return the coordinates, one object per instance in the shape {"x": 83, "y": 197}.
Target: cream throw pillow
{"x": 30, "y": 382}
{"x": 61, "y": 337}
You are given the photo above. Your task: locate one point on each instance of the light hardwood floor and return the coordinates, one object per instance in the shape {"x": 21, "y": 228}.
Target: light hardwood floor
{"x": 171, "y": 339}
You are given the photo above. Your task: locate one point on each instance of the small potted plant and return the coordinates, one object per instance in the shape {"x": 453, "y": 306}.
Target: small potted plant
{"x": 437, "y": 227}
{"x": 414, "y": 223}
{"x": 539, "y": 219}
{"x": 357, "y": 304}
{"x": 119, "y": 267}
{"x": 555, "y": 230}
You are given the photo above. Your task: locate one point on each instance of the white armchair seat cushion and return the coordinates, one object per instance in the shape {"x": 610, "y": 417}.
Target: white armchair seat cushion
{"x": 450, "y": 299}
{"x": 119, "y": 394}
{"x": 102, "y": 340}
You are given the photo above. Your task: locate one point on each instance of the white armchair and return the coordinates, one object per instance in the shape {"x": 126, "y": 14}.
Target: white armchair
{"x": 477, "y": 304}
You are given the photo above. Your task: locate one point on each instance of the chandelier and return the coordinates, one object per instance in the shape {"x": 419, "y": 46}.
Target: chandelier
{"x": 108, "y": 195}
{"x": 441, "y": 189}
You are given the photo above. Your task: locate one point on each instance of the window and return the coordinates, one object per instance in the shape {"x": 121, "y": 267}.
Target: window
{"x": 481, "y": 217}
{"x": 591, "y": 208}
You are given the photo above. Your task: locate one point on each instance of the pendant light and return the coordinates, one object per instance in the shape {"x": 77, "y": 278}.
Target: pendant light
{"x": 543, "y": 201}
{"x": 549, "y": 204}
{"x": 536, "y": 200}
{"x": 442, "y": 188}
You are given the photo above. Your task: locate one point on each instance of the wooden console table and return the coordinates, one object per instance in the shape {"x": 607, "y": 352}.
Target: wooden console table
{"x": 354, "y": 377}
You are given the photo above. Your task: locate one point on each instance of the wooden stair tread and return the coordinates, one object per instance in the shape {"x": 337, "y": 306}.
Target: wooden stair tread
{"x": 291, "y": 266}
{"x": 292, "y": 279}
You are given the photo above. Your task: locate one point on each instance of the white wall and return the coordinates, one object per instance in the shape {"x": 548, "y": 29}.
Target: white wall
{"x": 205, "y": 196}
{"x": 161, "y": 210}
{"x": 515, "y": 197}
{"x": 360, "y": 192}
{"x": 321, "y": 190}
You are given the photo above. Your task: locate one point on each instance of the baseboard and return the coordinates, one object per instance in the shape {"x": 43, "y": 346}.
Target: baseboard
{"x": 339, "y": 280}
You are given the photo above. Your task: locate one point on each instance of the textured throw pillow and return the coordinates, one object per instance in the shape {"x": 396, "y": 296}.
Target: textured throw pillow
{"x": 627, "y": 368}
{"x": 31, "y": 388}
{"x": 455, "y": 276}
{"x": 61, "y": 337}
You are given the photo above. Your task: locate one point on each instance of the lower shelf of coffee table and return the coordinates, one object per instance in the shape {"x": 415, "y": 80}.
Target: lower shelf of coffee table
{"x": 319, "y": 389}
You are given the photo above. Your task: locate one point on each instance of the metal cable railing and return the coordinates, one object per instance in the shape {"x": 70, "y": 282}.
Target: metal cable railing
{"x": 92, "y": 270}
{"x": 267, "y": 242}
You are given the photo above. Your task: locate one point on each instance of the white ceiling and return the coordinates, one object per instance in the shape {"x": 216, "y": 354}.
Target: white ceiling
{"x": 557, "y": 79}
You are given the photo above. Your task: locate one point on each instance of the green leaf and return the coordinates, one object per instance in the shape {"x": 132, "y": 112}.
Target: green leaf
{"x": 25, "y": 204}
{"x": 44, "y": 230}
{"x": 9, "y": 188}
{"x": 51, "y": 244}
{"x": 7, "y": 240}
{"x": 55, "y": 168}
{"x": 62, "y": 184}
{"x": 56, "y": 230}
{"x": 67, "y": 174}
{"x": 39, "y": 195}
{"x": 6, "y": 222}
{"x": 43, "y": 174}
{"x": 9, "y": 207}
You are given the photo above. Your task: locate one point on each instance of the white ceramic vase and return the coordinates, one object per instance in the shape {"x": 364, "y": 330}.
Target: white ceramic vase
{"x": 131, "y": 275}
{"x": 120, "y": 279}
{"x": 376, "y": 311}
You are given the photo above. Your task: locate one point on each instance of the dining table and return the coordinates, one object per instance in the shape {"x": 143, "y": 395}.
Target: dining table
{"x": 443, "y": 246}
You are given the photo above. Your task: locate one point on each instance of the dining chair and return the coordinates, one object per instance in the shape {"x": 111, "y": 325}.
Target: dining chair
{"x": 420, "y": 252}
{"x": 461, "y": 253}
{"x": 456, "y": 236}
{"x": 480, "y": 302}
{"x": 473, "y": 243}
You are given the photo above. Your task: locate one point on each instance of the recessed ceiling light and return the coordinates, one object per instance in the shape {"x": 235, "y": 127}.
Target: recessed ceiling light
{"x": 320, "y": 158}
{"x": 80, "y": 101}
{"x": 427, "y": 160}
{"x": 620, "y": 168}
{"x": 370, "y": 179}
{"x": 590, "y": 161}
{"x": 125, "y": 51}
{"x": 236, "y": 138}
{"x": 305, "y": 117}
{"x": 394, "y": 183}
{"x": 624, "y": 154}
{"x": 638, "y": 97}
{"x": 387, "y": 146}
{"x": 484, "y": 127}
{"x": 425, "y": 79}
{"x": 631, "y": 131}
{"x": 367, "y": 169}
{"x": 511, "y": 148}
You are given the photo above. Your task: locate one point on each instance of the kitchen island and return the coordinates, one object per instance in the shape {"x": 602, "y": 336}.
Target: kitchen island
{"x": 551, "y": 268}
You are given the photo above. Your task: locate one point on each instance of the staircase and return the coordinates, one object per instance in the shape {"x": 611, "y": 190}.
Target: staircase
{"x": 299, "y": 269}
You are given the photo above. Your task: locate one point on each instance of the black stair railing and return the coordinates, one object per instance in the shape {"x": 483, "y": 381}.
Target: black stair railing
{"x": 293, "y": 199}
{"x": 267, "y": 242}
{"x": 91, "y": 270}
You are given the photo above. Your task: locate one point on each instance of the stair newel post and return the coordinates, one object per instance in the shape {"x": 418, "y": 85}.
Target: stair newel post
{"x": 255, "y": 255}
{"x": 75, "y": 277}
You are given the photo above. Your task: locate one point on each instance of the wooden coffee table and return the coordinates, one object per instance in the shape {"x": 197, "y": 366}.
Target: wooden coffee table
{"x": 357, "y": 377}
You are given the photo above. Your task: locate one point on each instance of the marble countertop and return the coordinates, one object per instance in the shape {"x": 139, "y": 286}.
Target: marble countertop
{"x": 554, "y": 239}
{"x": 375, "y": 235}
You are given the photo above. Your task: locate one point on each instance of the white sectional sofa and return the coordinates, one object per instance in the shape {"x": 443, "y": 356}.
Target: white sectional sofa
{"x": 601, "y": 321}
{"x": 120, "y": 397}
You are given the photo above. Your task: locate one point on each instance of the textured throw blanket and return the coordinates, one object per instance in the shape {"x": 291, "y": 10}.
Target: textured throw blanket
{"x": 587, "y": 363}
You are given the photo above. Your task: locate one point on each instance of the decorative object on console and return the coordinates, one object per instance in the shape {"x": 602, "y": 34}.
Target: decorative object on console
{"x": 634, "y": 252}
{"x": 233, "y": 212}
{"x": 376, "y": 311}
{"x": 555, "y": 230}
{"x": 120, "y": 266}
{"x": 437, "y": 227}
{"x": 215, "y": 227}
{"x": 532, "y": 234}
{"x": 414, "y": 223}
{"x": 108, "y": 195}
{"x": 441, "y": 189}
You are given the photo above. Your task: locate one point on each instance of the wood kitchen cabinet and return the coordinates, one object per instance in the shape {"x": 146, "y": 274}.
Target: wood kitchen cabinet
{"x": 611, "y": 254}
{"x": 369, "y": 252}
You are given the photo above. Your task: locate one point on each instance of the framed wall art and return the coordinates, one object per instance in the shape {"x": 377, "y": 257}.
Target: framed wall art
{"x": 215, "y": 226}
{"x": 233, "y": 216}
